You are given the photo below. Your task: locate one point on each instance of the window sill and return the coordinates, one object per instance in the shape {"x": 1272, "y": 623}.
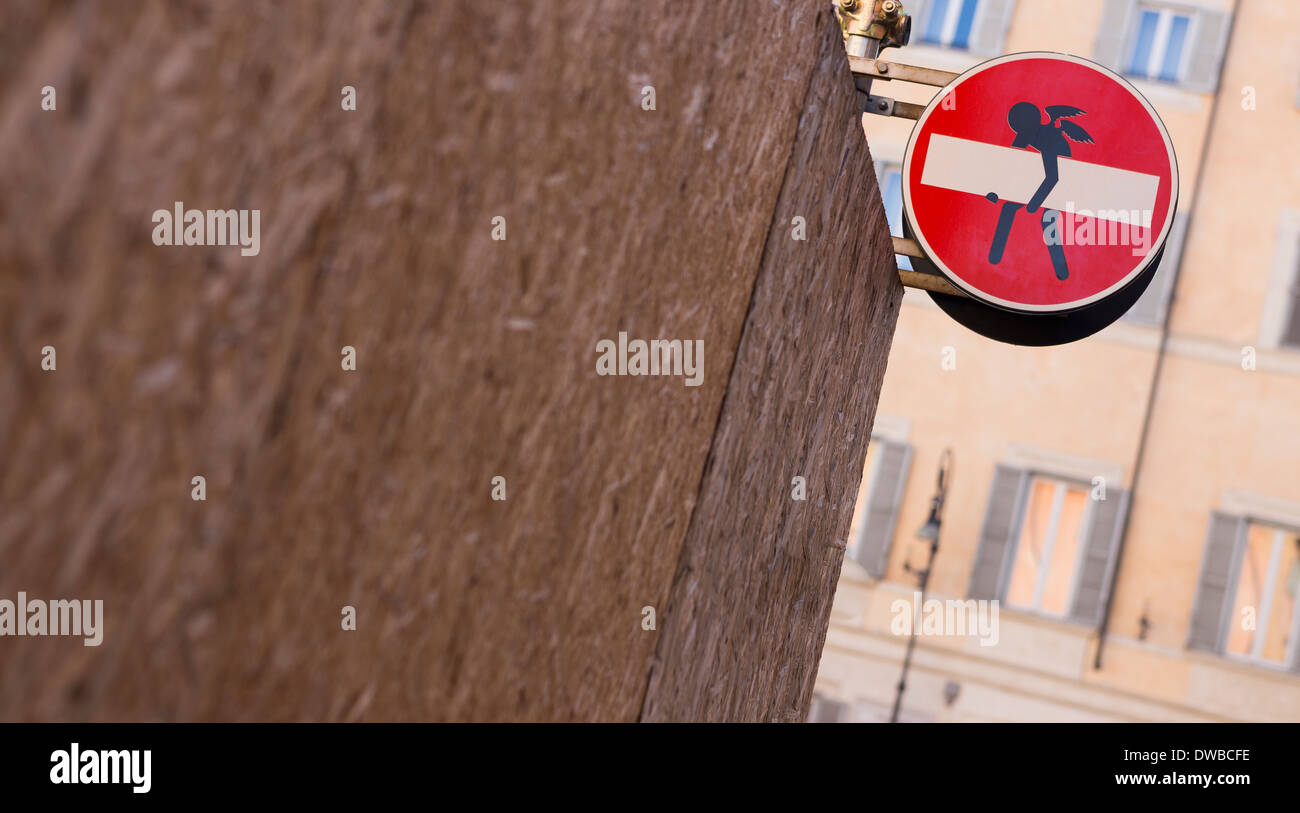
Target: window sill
{"x": 1040, "y": 618}
{"x": 1241, "y": 665}
{"x": 1220, "y": 351}
{"x": 1244, "y": 660}
{"x": 1169, "y": 95}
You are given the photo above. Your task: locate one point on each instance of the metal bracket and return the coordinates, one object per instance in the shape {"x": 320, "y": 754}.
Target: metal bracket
{"x": 885, "y": 106}
{"x": 870, "y": 26}
{"x": 880, "y": 105}
{"x": 865, "y": 69}
{"x": 921, "y": 279}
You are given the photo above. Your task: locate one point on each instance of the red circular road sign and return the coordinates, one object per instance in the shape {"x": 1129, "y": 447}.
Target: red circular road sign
{"x": 1040, "y": 182}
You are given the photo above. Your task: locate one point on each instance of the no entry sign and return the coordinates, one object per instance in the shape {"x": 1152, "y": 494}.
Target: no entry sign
{"x": 1040, "y": 183}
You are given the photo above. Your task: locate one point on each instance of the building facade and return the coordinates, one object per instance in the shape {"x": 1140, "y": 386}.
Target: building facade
{"x": 1132, "y": 500}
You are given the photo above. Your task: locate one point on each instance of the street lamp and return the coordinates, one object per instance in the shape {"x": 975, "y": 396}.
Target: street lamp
{"x": 929, "y": 532}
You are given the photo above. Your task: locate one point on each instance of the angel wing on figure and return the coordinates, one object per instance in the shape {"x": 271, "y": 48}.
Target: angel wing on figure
{"x": 1060, "y": 115}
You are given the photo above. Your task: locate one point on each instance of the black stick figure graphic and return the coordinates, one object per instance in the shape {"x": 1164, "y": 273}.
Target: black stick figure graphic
{"x": 1050, "y": 140}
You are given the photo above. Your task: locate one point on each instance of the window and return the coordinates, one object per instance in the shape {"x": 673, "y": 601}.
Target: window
{"x": 1048, "y": 546}
{"x": 1262, "y": 622}
{"x": 891, "y": 192}
{"x": 1160, "y": 44}
{"x": 1048, "y": 543}
{"x": 1246, "y": 592}
{"x": 1164, "y": 40}
{"x": 950, "y": 22}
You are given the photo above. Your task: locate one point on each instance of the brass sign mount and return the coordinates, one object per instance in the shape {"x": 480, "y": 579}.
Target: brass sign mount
{"x": 870, "y": 26}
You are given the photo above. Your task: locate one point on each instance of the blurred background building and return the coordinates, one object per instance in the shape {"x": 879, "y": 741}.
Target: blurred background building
{"x": 1175, "y": 597}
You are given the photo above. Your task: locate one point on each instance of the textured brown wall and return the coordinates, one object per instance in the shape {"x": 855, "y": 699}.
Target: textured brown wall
{"x": 749, "y": 605}
{"x": 475, "y": 358}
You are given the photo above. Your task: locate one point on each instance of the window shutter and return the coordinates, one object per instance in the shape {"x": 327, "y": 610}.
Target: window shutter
{"x": 1207, "y": 51}
{"x": 1001, "y": 523}
{"x": 1151, "y": 306}
{"x": 1113, "y": 34}
{"x": 877, "y": 534}
{"x": 1213, "y": 585}
{"x": 1291, "y": 337}
{"x": 826, "y": 711}
{"x": 989, "y": 33}
{"x": 1291, "y": 332}
{"x": 1097, "y": 567}
{"x": 917, "y": 9}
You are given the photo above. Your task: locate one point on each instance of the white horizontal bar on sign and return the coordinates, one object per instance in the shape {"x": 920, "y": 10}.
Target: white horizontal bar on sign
{"x": 1103, "y": 192}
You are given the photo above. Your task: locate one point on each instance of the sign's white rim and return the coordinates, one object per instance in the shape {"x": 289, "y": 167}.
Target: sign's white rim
{"x": 983, "y": 296}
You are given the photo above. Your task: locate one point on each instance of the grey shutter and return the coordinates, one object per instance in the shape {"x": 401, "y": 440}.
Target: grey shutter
{"x": 877, "y": 534}
{"x": 1097, "y": 567}
{"x": 1291, "y": 332}
{"x": 1001, "y": 524}
{"x": 989, "y": 30}
{"x": 1213, "y": 590}
{"x": 1114, "y": 34}
{"x": 1295, "y": 655}
{"x": 1207, "y": 51}
{"x": 826, "y": 711}
{"x": 1151, "y": 306}
{"x": 917, "y": 9}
